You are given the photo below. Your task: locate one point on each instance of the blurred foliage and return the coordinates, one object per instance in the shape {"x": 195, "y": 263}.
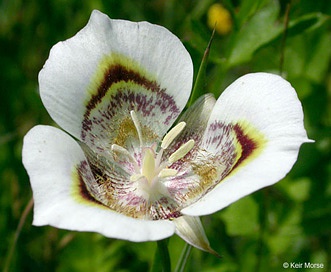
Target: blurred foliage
{"x": 287, "y": 222}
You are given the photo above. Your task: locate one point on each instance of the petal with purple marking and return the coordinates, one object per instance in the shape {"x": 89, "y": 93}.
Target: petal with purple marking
{"x": 63, "y": 184}
{"x": 91, "y": 82}
{"x": 257, "y": 123}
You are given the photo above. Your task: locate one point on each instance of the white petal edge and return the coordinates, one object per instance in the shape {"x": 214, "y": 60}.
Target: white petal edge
{"x": 270, "y": 105}
{"x": 72, "y": 64}
{"x": 49, "y": 156}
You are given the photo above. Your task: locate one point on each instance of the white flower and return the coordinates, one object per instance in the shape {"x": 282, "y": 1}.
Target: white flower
{"x": 117, "y": 87}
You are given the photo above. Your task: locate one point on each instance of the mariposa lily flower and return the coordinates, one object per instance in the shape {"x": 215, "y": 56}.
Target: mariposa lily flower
{"x": 128, "y": 168}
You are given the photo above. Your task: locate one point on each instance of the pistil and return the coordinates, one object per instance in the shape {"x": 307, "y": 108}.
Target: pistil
{"x": 148, "y": 165}
{"x": 153, "y": 167}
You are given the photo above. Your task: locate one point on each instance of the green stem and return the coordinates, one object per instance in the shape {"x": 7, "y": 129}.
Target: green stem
{"x": 283, "y": 43}
{"x": 162, "y": 258}
{"x": 12, "y": 247}
{"x": 263, "y": 227}
{"x": 183, "y": 258}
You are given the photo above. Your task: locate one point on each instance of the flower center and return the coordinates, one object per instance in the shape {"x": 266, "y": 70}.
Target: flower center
{"x": 152, "y": 167}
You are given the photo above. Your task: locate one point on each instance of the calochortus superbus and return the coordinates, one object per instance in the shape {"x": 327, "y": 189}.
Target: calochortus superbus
{"x": 130, "y": 167}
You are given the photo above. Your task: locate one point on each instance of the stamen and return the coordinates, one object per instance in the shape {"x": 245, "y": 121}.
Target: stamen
{"x": 172, "y": 134}
{"x": 137, "y": 125}
{"x": 167, "y": 172}
{"x": 119, "y": 149}
{"x": 182, "y": 151}
{"x": 124, "y": 152}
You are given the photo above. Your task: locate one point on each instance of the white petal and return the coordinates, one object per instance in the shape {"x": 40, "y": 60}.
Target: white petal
{"x": 50, "y": 157}
{"x": 156, "y": 82}
{"x": 266, "y": 111}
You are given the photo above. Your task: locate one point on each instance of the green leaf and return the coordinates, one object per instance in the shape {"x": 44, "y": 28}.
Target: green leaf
{"x": 307, "y": 22}
{"x": 248, "y": 8}
{"x": 320, "y": 59}
{"x": 264, "y": 27}
{"x": 242, "y": 217}
{"x": 297, "y": 190}
{"x": 287, "y": 231}
{"x": 88, "y": 252}
{"x": 200, "y": 8}
{"x": 258, "y": 31}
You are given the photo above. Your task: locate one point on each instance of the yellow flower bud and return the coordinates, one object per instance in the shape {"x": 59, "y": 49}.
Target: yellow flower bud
{"x": 219, "y": 18}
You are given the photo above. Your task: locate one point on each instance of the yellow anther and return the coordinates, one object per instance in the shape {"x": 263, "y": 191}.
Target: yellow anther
{"x": 126, "y": 155}
{"x": 172, "y": 134}
{"x": 167, "y": 172}
{"x": 122, "y": 151}
{"x": 119, "y": 149}
{"x": 182, "y": 151}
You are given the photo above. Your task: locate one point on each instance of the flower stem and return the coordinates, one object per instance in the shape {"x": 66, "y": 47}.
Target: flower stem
{"x": 11, "y": 250}
{"x": 183, "y": 258}
{"x": 162, "y": 258}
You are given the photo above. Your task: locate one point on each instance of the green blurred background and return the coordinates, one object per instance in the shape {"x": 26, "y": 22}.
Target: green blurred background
{"x": 288, "y": 222}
